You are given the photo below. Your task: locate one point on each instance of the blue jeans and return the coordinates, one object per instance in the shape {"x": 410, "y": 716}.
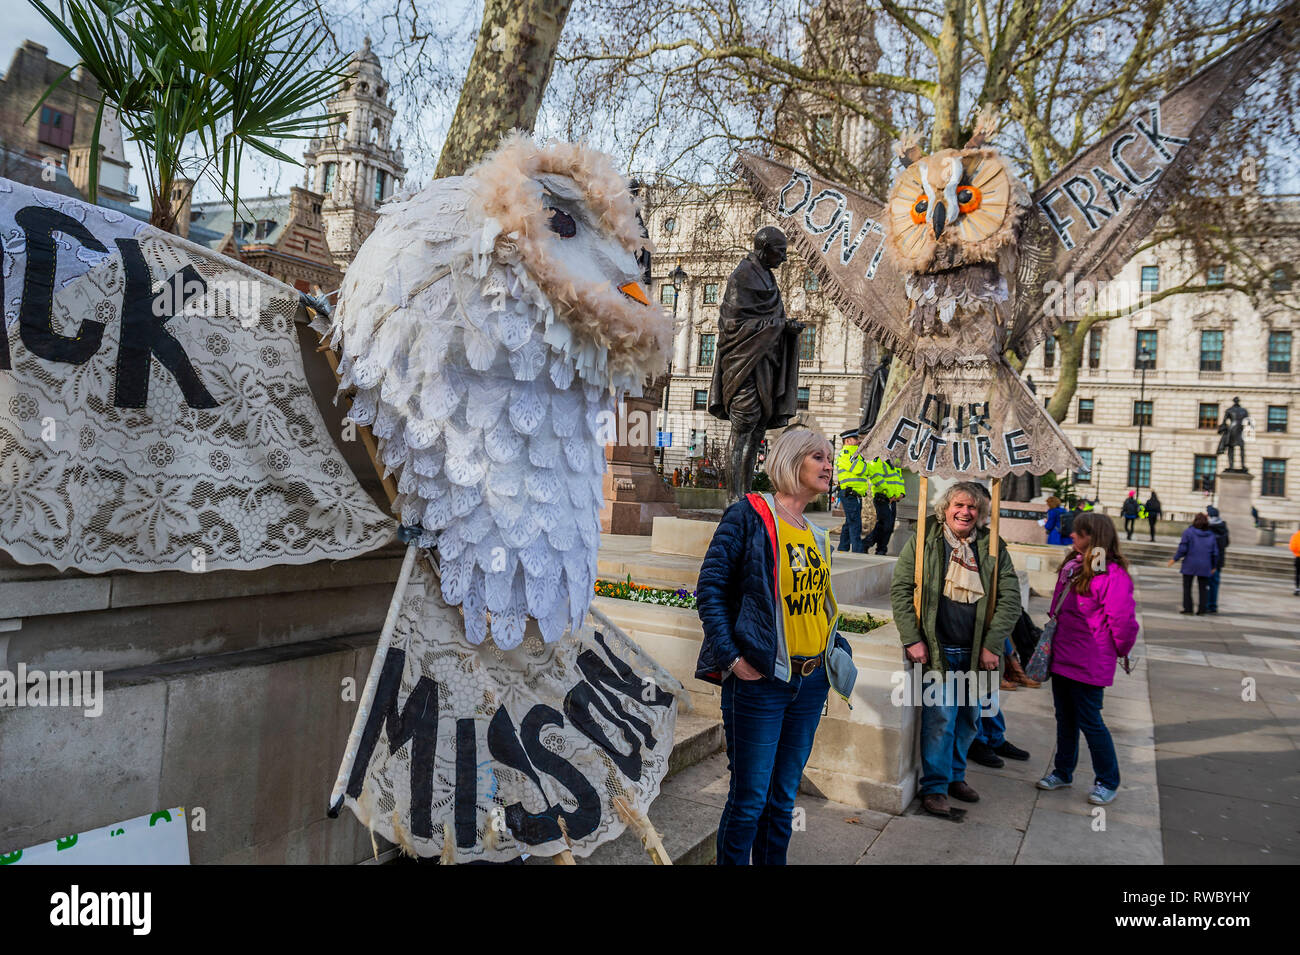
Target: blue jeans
{"x": 769, "y": 727}
{"x": 851, "y": 532}
{"x": 1212, "y": 597}
{"x": 947, "y": 730}
{"x": 1078, "y": 707}
{"x": 993, "y": 729}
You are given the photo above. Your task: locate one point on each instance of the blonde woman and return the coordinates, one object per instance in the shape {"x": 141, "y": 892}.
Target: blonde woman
{"x": 764, "y": 598}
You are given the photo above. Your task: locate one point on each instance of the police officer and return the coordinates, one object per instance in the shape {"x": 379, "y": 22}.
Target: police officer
{"x": 887, "y": 483}
{"x": 850, "y": 475}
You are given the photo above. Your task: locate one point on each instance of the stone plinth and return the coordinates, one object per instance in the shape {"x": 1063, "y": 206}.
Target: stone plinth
{"x": 635, "y": 494}
{"x": 1018, "y": 522}
{"x": 1040, "y": 562}
{"x": 1234, "y": 492}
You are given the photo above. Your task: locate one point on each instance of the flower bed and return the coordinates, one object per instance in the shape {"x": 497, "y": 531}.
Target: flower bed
{"x": 662, "y": 596}
{"x": 852, "y": 623}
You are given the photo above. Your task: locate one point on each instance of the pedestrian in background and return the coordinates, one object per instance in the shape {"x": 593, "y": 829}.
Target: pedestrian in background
{"x": 1295, "y": 549}
{"x": 1220, "y": 531}
{"x": 1129, "y": 512}
{"x": 1096, "y": 624}
{"x": 1052, "y": 521}
{"x": 1154, "y": 510}
{"x": 1199, "y": 551}
{"x": 769, "y": 559}
{"x": 855, "y": 487}
{"x": 886, "y": 491}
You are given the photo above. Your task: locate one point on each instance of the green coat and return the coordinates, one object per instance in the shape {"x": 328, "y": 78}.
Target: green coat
{"x": 990, "y": 635}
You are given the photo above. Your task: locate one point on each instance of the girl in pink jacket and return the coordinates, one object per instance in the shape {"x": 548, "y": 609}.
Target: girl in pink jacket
{"x": 1096, "y": 624}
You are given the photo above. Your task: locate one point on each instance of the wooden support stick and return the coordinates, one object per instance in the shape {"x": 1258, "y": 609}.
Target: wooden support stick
{"x": 996, "y": 495}
{"x": 650, "y": 841}
{"x": 921, "y": 507}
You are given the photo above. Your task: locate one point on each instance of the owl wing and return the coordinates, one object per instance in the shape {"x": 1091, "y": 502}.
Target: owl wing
{"x": 840, "y": 233}
{"x": 492, "y": 436}
{"x": 1090, "y": 218}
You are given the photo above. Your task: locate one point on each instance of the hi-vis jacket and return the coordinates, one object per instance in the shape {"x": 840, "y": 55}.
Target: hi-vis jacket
{"x": 885, "y": 479}
{"x": 738, "y": 596}
{"x": 851, "y": 471}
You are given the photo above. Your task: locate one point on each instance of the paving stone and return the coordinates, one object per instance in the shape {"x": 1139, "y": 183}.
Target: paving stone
{"x": 1244, "y": 820}
{"x": 913, "y": 839}
{"x": 1184, "y": 848}
{"x": 1066, "y": 838}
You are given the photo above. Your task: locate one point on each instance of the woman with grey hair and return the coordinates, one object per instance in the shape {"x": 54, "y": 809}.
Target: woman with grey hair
{"x": 764, "y": 598}
{"x": 968, "y": 606}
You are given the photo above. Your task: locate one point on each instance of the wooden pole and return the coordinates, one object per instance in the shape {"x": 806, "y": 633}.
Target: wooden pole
{"x": 921, "y": 508}
{"x": 368, "y": 439}
{"x": 996, "y": 494}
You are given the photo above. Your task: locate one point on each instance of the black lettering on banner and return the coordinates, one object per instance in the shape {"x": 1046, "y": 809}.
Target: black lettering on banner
{"x": 143, "y": 334}
{"x": 416, "y": 722}
{"x": 1061, "y": 226}
{"x": 979, "y": 417}
{"x": 621, "y": 680}
{"x": 37, "y": 311}
{"x": 583, "y": 820}
{"x": 961, "y": 455}
{"x": 899, "y": 435}
{"x": 466, "y": 808}
{"x": 936, "y": 443}
{"x": 577, "y": 707}
{"x": 928, "y": 417}
{"x": 532, "y": 828}
{"x": 916, "y": 447}
{"x": 1017, "y": 449}
{"x": 825, "y": 195}
{"x": 783, "y": 208}
{"x": 1111, "y": 186}
{"x": 1088, "y": 203}
{"x": 1118, "y": 161}
{"x": 1153, "y": 135}
{"x": 984, "y": 450}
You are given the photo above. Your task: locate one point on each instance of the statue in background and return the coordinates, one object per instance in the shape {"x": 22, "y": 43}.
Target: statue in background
{"x": 1232, "y": 434}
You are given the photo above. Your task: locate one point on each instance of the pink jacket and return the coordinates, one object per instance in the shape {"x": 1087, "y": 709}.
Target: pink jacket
{"x": 1095, "y": 629}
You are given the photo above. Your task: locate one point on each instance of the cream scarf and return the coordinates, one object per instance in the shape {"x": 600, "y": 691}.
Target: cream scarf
{"x": 961, "y": 582}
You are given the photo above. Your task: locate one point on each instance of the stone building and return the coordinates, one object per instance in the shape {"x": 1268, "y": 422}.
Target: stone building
{"x": 59, "y": 133}
{"x": 353, "y": 166}
{"x": 1205, "y": 349}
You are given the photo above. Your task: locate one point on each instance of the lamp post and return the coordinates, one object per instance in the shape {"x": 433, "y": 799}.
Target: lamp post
{"x": 678, "y": 278}
{"x": 1096, "y": 487}
{"x": 1144, "y": 359}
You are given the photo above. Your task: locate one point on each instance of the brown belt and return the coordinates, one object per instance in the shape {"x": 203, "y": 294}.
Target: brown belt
{"x": 806, "y": 665}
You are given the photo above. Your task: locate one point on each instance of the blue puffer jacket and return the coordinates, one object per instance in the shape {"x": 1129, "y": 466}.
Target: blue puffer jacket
{"x": 1199, "y": 552}
{"x": 736, "y": 595}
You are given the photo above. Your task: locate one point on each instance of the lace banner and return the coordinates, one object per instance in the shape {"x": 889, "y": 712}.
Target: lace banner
{"x": 477, "y": 753}
{"x": 154, "y": 413}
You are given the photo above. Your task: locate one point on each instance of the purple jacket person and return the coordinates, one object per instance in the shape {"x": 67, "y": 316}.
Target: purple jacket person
{"x": 1095, "y": 629}
{"x": 1199, "y": 551}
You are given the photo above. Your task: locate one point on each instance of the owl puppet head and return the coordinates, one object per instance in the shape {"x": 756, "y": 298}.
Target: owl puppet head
{"x": 954, "y": 207}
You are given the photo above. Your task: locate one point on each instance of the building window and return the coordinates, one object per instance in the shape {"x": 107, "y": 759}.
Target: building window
{"x": 1207, "y": 416}
{"x": 670, "y": 225}
{"x": 381, "y": 180}
{"x": 1215, "y": 275}
{"x": 711, "y": 293}
{"x": 55, "y": 128}
{"x": 812, "y": 281}
{"x": 707, "y": 344}
{"x": 1139, "y": 469}
{"x": 1146, "y": 342}
{"x": 713, "y": 223}
{"x": 1094, "y": 348}
{"x": 331, "y": 173}
{"x": 1281, "y": 280}
{"x": 1277, "y": 419}
{"x": 1203, "y": 468}
{"x": 802, "y": 399}
{"x": 315, "y": 208}
{"x": 1084, "y": 474}
{"x": 1150, "y": 278}
{"x": 1049, "y": 352}
{"x": 1272, "y": 482}
{"x": 264, "y": 228}
{"x": 1142, "y": 413}
{"x": 807, "y": 343}
{"x": 668, "y": 294}
{"x": 1279, "y": 351}
{"x": 306, "y": 246}
{"x": 700, "y": 400}
{"x": 1085, "y": 410}
{"x": 1212, "y": 351}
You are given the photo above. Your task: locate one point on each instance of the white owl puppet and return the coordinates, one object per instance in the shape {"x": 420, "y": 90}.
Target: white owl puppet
{"x": 489, "y": 326}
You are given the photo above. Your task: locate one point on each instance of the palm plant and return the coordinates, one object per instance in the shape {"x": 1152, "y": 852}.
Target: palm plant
{"x": 231, "y": 73}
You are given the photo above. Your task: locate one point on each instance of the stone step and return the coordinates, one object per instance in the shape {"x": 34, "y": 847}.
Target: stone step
{"x": 1240, "y": 562}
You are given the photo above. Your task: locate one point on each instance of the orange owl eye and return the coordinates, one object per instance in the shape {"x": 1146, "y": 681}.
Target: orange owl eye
{"x": 919, "y": 209}
{"x": 968, "y": 199}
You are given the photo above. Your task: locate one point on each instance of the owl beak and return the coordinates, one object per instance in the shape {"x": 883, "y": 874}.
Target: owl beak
{"x": 938, "y": 216}
{"x": 634, "y": 291}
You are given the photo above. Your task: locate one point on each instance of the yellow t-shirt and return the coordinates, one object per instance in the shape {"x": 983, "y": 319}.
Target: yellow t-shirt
{"x": 805, "y": 576}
